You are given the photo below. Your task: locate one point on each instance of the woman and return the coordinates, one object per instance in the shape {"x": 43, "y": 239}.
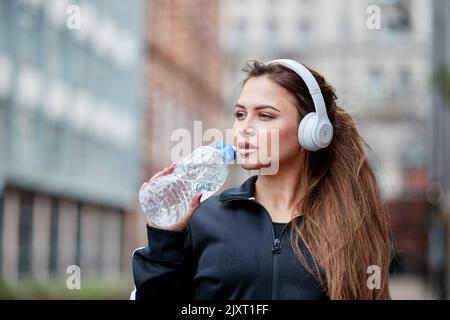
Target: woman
{"x": 313, "y": 230}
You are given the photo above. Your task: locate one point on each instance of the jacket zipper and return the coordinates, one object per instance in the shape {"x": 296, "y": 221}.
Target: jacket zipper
{"x": 276, "y": 251}
{"x": 276, "y": 245}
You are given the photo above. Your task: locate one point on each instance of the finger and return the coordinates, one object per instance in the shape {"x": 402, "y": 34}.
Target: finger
{"x": 195, "y": 203}
{"x": 164, "y": 172}
{"x": 143, "y": 186}
{"x": 171, "y": 168}
{"x": 156, "y": 175}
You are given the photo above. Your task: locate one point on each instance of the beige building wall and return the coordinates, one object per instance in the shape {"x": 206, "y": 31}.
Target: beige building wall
{"x": 111, "y": 242}
{"x": 41, "y": 237}
{"x": 11, "y": 235}
{"x": 67, "y": 235}
{"x": 332, "y": 37}
{"x": 90, "y": 240}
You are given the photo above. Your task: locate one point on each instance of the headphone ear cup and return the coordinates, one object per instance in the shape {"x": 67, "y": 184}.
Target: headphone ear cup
{"x": 306, "y": 132}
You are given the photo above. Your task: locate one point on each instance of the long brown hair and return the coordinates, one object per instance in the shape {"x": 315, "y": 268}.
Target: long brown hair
{"x": 345, "y": 225}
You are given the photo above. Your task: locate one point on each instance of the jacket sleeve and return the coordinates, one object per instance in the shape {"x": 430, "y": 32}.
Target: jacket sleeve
{"x": 164, "y": 269}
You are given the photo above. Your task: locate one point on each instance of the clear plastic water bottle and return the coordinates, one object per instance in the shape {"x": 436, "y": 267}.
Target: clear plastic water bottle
{"x": 166, "y": 199}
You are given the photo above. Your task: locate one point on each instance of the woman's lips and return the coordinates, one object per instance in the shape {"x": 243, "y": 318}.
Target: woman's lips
{"x": 246, "y": 151}
{"x": 246, "y": 148}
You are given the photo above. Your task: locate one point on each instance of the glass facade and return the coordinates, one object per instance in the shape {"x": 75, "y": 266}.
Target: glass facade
{"x": 69, "y": 98}
{"x": 70, "y": 109}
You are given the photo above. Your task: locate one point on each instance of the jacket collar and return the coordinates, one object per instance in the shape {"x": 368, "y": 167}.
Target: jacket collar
{"x": 245, "y": 191}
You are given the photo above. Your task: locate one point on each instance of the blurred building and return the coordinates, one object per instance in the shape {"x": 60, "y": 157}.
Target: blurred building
{"x": 69, "y": 119}
{"x": 438, "y": 147}
{"x": 381, "y": 74}
{"x": 184, "y": 67}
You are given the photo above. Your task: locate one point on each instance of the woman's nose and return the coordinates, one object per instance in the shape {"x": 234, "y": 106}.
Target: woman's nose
{"x": 247, "y": 132}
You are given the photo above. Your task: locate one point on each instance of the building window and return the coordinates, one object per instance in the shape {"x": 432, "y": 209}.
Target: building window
{"x": 78, "y": 236}
{"x": 28, "y": 36}
{"x": 405, "y": 82}
{"x": 6, "y": 75}
{"x": 122, "y": 240}
{"x": 26, "y": 133}
{"x": 101, "y": 243}
{"x": 241, "y": 29}
{"x": 53, "y": 143}
{"x": 25, "y": 234}
{"x": 345, "y": 29}
{"x": 304, "y": 34}
{"x": 398, "y": 15}
{"x": 376, "y": 87}
{"x": 272, "y": 33}
{"x": 54, "y": 235}
{"x": 241, "y": 26}
{"x": 5, "y": 24}
{"x": 54, "y": 48}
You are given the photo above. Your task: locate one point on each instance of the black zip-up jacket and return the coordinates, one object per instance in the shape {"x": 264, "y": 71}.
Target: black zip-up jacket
{"x": 228, "y": 251}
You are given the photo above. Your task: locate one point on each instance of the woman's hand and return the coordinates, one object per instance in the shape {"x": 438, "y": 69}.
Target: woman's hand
{"x": 195, "y": 203}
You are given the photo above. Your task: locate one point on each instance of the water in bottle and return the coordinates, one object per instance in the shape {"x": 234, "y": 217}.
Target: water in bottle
{"x": 166, "y": 199}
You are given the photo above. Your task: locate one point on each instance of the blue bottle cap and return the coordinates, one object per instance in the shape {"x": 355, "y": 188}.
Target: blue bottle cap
{"x": 229, "y": 151}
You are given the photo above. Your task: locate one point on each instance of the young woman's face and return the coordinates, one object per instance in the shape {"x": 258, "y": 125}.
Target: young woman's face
{"x": 266, "y": 117}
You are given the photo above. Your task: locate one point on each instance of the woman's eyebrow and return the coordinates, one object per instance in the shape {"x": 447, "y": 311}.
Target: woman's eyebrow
{"x": 259, "y": 107}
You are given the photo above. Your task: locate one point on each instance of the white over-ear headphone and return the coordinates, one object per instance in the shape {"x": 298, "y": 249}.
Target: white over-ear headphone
{"x": 315, "y": 130}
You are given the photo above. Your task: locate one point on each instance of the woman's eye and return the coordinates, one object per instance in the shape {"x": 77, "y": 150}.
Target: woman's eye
{"x": 238, "y": 114}
{"x": 265, "y": 116}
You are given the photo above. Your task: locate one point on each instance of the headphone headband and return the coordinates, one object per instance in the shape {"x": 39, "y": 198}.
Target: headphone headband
{"x": 311, "y": 83}
{"x": 315, "y": 130}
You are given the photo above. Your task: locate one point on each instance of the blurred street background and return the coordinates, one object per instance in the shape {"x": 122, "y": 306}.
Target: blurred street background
{"x": 91, "y": 90}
